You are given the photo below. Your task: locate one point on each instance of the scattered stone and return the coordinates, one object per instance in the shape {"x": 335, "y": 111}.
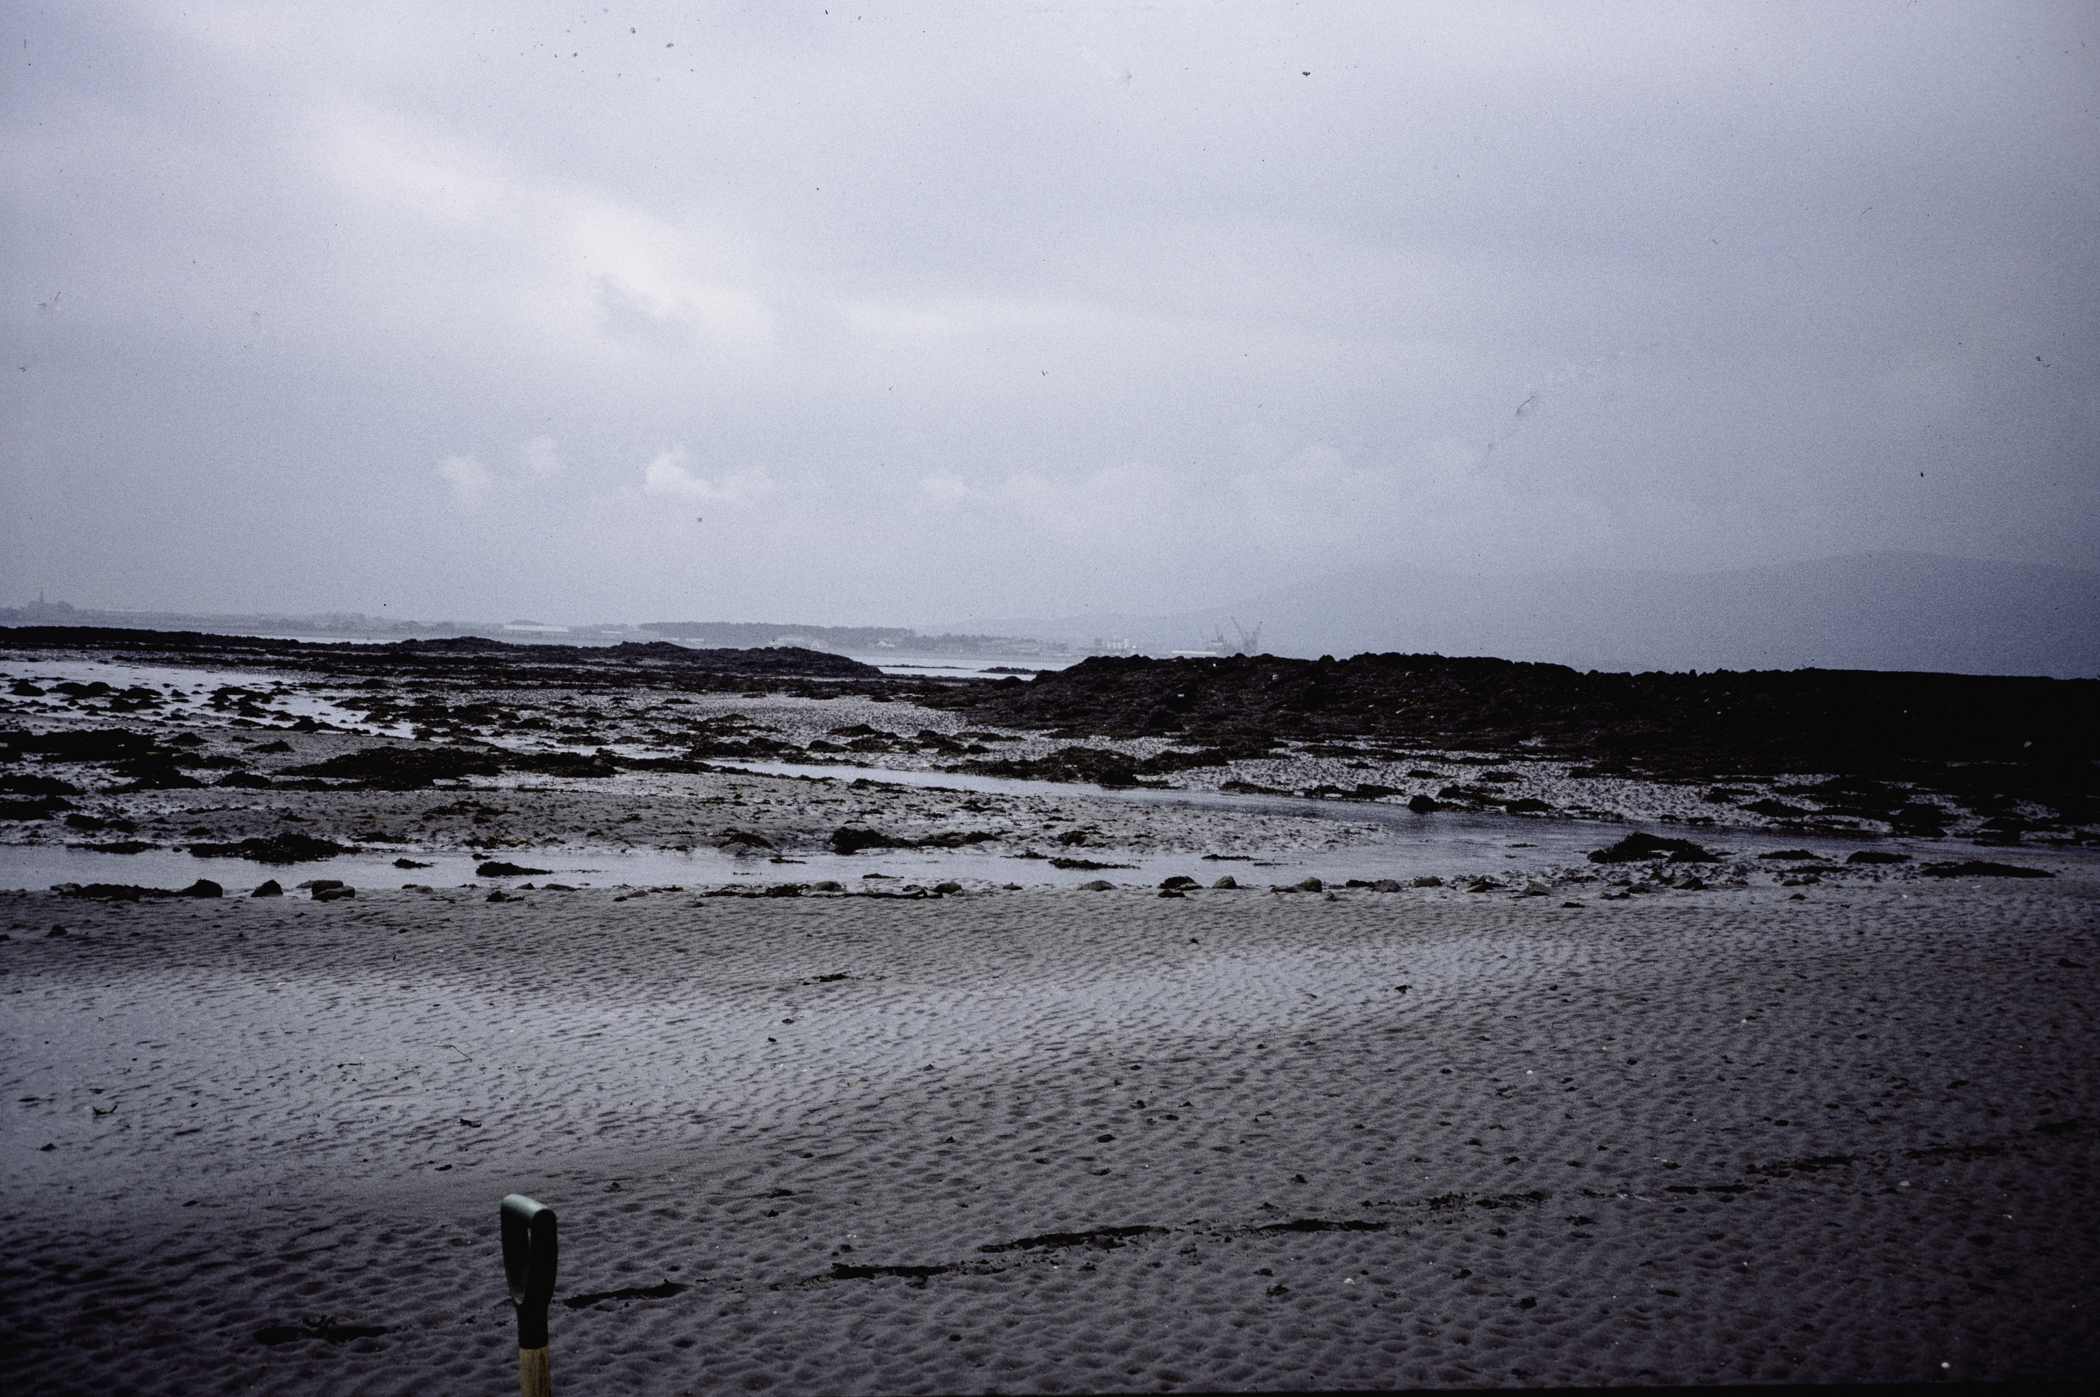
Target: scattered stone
{"x": 271, "y": 888}
{"x": 1099, "y": 885}
{"x": 492, "y": 869}
{"x": 1228, "y": 881}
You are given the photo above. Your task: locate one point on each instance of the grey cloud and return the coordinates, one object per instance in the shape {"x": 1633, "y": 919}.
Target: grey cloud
{"x": 1059, "y": 308}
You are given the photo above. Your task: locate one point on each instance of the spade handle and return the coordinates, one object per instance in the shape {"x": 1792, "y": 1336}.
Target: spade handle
{"x": 530, "y": 1252}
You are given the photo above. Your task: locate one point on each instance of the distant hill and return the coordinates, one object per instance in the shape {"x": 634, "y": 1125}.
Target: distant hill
{"x": 863, "y": 640}
{"x": 1892, "y": 611}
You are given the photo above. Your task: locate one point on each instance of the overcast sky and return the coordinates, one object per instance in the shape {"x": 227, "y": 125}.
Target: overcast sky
{"x": 880, "y": 314}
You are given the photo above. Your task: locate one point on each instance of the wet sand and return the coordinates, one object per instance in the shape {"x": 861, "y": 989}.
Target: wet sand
{"x": 863, "y": 1145}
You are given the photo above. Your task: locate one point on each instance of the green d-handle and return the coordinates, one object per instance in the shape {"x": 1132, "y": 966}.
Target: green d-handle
{"x": 530, "y": 1252}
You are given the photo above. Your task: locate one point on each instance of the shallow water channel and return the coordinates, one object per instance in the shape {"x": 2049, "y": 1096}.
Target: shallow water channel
{"x": 1406, "y": 845}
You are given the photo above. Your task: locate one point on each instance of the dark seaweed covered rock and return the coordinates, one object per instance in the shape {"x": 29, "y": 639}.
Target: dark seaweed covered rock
{"x": 41, "y": 808}
{"x": 852, "y": 841}
{"x": 1983, "y": 868}
{"x": 1977, "y": 738}
{"x": 96, "y": 745}
{"x": 1638, "y": 846}
{"x": 595, "y": 766}
{"x": 128, "y": 892}
{"x": 277, "y": 848}
{"x": 402, "y": 768}
{"x": 1096, "y": 764}
{"x": 27, "y": 784}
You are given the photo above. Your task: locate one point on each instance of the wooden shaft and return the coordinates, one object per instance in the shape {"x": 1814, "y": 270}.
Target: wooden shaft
{"x": 532, "y": 1373}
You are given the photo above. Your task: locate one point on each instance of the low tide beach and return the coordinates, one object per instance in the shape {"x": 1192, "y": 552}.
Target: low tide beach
{"x": 978, "y": 1123}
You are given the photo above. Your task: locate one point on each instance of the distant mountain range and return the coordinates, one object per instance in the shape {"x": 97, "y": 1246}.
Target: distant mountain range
{"x": 1888, "y": 611}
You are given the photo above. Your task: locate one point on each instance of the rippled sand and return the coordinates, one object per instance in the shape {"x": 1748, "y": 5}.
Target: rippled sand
{"x": 1052, "y": 1140}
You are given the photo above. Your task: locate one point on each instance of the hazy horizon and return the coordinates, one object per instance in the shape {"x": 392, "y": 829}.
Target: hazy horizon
{"x": 880, "y": 317}
{"x": 1910, "y": 612}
